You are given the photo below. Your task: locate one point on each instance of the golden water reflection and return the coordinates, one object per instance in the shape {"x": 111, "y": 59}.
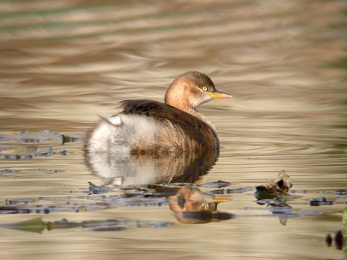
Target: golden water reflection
{"x": 63, "y": 63}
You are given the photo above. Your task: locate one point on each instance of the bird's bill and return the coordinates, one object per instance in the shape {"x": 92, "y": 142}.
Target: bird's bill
{"x": 218, "y": 94}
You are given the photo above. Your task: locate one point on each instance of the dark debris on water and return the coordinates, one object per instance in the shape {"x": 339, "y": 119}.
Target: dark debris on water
{"x": 337, "y": 239}
{"x": 39, "y": 209}
{"x": 230, "y": 191}
{"x": 94, "y": 189}
{"x": 341, "y": 192}
{"x": 37, "y": 149}
{"x": 320, "y": 201}
{"x": 199, "y": 217}
{"x": 78, "y": 204}
{"x": 32, "y": 156}
{"x": 275, "y": 188}
{"x": 216, "y": 184}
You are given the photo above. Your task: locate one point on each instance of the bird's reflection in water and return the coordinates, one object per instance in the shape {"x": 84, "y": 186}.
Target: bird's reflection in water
{"x": 185, "y": 171}
{"x": 194, "y": 207}
{"x": 127, "y": 171}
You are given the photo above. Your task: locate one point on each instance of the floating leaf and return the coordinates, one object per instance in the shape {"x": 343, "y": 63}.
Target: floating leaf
{"x": 33, "y": 225}
{"x": 216, "y": 184}
{"x": 103, "y": 229}
{"x": 68, "y": 139}
{"x": 37, "y": 225}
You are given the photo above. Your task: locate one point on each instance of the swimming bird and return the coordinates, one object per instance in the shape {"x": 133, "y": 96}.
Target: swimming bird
{"x": 151, "y": 127}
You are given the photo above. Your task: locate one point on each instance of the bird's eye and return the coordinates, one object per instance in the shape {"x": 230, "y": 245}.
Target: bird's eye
{"x": 204, "y": 88}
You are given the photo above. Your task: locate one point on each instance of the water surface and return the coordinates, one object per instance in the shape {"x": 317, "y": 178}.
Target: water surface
{"x": 64, "y": 63}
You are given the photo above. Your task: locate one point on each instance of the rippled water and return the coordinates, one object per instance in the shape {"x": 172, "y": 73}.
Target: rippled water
{"x": 63, "y": 63}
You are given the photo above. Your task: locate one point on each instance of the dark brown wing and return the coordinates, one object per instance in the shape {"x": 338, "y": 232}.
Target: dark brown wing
{"x": 191, "y": 125}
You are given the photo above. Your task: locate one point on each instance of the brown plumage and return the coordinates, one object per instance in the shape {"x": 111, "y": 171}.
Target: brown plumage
{"x": 151, "y": 127}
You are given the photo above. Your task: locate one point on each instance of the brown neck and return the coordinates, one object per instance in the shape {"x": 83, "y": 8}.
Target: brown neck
{"x": 185, "y": 106}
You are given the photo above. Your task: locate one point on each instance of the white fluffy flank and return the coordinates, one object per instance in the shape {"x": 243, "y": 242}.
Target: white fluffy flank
{"x": 120, "y": 133}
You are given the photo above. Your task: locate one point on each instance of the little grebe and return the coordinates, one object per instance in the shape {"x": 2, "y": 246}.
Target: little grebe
{"x": 151, "y": 127}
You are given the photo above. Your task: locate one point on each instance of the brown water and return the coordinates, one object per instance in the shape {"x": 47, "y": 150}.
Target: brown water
{"x": 63, "y": 63}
